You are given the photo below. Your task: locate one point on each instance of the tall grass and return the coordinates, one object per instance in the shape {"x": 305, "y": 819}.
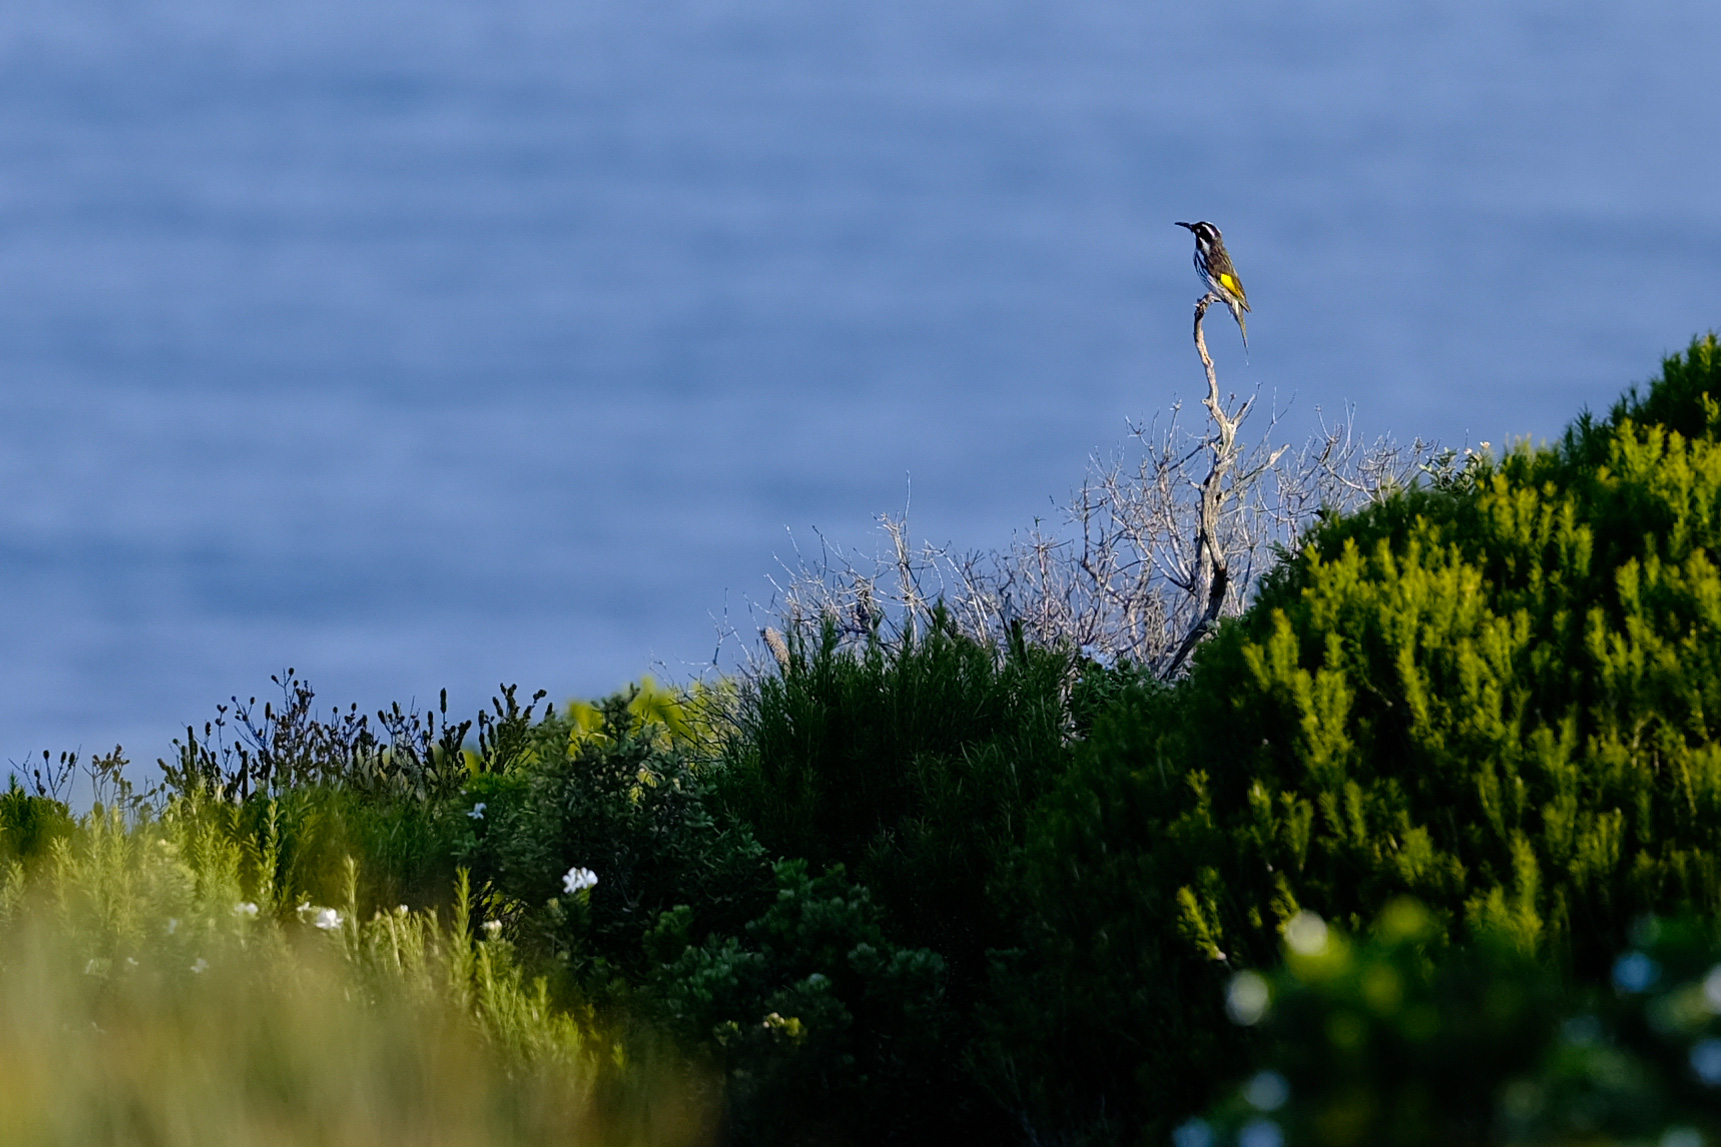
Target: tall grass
{"x": 157, "y": 986}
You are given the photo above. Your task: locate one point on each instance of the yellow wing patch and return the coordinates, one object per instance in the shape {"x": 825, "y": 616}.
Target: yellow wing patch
{"x": 1230, "y": 283}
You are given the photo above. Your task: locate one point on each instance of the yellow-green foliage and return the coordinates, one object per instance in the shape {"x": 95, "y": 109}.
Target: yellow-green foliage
{"x": 1499, "y": 693}
{"x": 696, "y": 717}
{"x": 155, "y": 987}
{"x": 1503, "y": 697}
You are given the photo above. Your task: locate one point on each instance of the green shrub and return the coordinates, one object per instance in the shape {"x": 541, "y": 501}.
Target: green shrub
{"x": 320, "y": 790}
{"x": 1499, "y": 694}
{"x": 909, "y": 765}
{"x": 1397, "y": 1039}
{"x": 818, "y": 1020}
{"x": 616, "y": 792}
{"x": 29, "y": 824}
{"x": 614, "y": 788}
{"x": 407, "y": 850}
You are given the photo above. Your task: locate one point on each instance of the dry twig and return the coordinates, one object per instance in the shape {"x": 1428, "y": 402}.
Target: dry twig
{"x": 1149, "y": 557}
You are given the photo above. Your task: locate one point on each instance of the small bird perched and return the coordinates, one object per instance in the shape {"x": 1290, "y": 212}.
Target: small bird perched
{"x": 1215, "y": 268}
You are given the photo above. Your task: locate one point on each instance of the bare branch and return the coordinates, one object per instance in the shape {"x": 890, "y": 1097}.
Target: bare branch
{"x": 1150, "y": 554}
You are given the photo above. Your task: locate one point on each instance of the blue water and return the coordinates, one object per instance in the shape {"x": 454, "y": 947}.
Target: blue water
{"x": 423, "y": 343}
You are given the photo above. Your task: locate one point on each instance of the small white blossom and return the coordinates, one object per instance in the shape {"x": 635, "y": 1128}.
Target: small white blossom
{"x": 477, "y": 812}
{"x": 492, "y": 928}
{"x": 1247, "y": 999}
{"x": 202, "y": 965}
{"x": 172, "y": 925}
{"x": 579, "y": 879}
{"x": 1306, "y": 934}
{"x": 245, "y": 910}
{"x": 328, "y": 919}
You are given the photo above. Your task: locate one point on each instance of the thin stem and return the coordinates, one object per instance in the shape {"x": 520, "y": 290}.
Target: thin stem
{"x": 1211, "y": 573}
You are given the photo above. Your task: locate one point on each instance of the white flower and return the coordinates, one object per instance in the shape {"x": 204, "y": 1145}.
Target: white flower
{"x": 1306, "y": 934}
{"x": 493, "y": 928}
{"x": 477, "y": 812}
{"x": 202, "y": 965}
{"x": 328, "y": 919}
{"x": 579, "y": 879}
{"x": 172, "y": 925}
{"x": 245, "y": 910}
{"x": 1247, "y": 999}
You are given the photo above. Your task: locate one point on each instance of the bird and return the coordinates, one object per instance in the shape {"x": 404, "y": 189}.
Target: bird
{"x": 1215, "y": 268}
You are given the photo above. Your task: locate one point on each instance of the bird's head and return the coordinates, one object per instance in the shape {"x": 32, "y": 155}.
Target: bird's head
{"x": 1203, "y": 230}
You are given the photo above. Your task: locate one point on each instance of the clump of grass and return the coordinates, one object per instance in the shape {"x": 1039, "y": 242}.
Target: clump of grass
{"x": 157, "y": 986}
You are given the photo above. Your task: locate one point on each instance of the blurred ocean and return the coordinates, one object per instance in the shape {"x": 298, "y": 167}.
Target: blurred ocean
{"x": 424, "y": 343}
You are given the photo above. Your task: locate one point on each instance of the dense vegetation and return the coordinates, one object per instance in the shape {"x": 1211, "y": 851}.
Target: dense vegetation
{"x": 157, "y": 985}
{"x": 1460, "y": 755}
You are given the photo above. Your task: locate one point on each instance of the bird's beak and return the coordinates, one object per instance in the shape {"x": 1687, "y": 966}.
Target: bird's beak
{"x": 1191, "y": 226}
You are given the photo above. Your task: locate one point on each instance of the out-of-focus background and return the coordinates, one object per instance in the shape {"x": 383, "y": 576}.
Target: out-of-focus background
{"x": 425, "y": 343}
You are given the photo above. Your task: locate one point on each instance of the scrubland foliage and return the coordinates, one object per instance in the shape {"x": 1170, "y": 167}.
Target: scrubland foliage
{"x": 1423, "y": 844}
{"x": 157, "y": 985}
{"x": 1391, "y": 1037}
{"x": 1491, "y": 693}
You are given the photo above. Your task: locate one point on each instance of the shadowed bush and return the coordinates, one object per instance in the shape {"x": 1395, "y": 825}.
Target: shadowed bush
{"x": 911, "y": 766}
{"x": 1395, "y": 1037}
{"x": 827, "y": 1030}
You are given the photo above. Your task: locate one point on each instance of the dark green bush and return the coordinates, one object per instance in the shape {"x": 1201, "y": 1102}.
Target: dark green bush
{"x": 912, "y": 767}
{"x": 624, "y": 799}
{"x": 823, "y": 1026}
{"x": 29, "y": 824}
{"x": 1398, "y": 1039}
{"x": 1499, "y": 694}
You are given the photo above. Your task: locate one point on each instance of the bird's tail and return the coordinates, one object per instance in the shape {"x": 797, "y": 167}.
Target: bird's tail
{"x": 1242, "y": 327}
